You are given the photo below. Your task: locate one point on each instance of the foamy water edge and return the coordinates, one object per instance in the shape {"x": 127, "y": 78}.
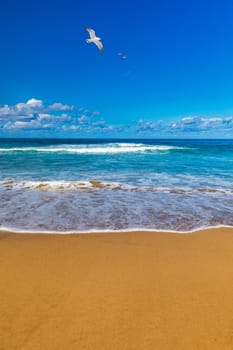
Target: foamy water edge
{"x": 130, "y": 230}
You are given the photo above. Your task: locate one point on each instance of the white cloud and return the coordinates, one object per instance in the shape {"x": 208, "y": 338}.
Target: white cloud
{"x": 4, "y": 111}
{"x": 192, "y": 125}
{"x": 20, "y": 124}
{"x": 33, "y": 102}
{"x": 34, "y": 115}
{"x": 83, "y": 119}
{"x": 8, "y": 126}
{"x": 28, "y": 110}
{"x": 57, "y": 106}
{"x": 144, "y": 125}
{"x": 197, "y": 124}
{"x": 100, "y": 123}
{"x": 65, "y": 118}
{"x": 44, "y": 116}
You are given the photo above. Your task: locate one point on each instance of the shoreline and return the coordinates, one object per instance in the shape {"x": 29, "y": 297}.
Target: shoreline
{"x": 96, "y": 232}
{"x": 117, "y": 291}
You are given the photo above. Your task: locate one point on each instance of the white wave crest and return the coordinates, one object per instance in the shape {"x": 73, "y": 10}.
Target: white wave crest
{"x": 63, "y": 186}
{"x": 95, "y": 149}
{"x": 66, "y": 186}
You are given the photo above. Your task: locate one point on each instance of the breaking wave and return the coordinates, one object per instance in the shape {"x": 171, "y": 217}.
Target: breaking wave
{"x": 67, "y": 186}
{"x": 95, "y": 149}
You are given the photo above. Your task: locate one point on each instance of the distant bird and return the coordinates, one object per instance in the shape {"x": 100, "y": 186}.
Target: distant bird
{"x": 94, "y": 39}
{"x": 122, "y": 56}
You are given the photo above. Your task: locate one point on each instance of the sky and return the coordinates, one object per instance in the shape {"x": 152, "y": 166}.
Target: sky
{"x": 177, "y": 79}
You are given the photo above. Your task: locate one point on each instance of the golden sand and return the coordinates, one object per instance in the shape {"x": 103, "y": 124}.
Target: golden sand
{"x": 117, "y": 291}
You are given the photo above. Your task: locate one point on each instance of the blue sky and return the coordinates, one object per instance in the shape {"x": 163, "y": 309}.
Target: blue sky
{"x": 177, "y": 80}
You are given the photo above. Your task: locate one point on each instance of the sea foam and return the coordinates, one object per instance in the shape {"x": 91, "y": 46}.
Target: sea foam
{"x": 95, "y": 149}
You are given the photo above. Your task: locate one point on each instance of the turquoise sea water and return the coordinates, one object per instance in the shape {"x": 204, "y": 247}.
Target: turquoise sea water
{"x": 85, "y": 185}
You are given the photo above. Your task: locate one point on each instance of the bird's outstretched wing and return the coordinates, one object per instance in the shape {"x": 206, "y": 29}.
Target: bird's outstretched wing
{"x": 99, "y": 45}
{"x": 91, "y": 32}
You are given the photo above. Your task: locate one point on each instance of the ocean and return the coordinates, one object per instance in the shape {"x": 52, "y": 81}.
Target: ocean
{"x": 115, "y": 185}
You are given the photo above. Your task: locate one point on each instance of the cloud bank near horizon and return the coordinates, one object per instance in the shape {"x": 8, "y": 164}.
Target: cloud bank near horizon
{"x": 34, "y": 118}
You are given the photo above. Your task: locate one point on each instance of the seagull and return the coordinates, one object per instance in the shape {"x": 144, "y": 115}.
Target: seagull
{"x": 122, "y": 56}
{"x": 94, "y": 39}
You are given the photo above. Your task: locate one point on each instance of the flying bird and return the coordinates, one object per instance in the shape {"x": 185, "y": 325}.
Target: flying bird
{"x": 122, "y": 56}
{"x": 94, "y": 39}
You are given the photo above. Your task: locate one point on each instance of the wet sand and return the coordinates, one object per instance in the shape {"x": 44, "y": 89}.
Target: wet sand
{"x": 139, "y": 290}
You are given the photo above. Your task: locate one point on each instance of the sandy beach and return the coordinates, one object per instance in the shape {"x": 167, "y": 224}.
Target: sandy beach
{"x": 139, "y": 290}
